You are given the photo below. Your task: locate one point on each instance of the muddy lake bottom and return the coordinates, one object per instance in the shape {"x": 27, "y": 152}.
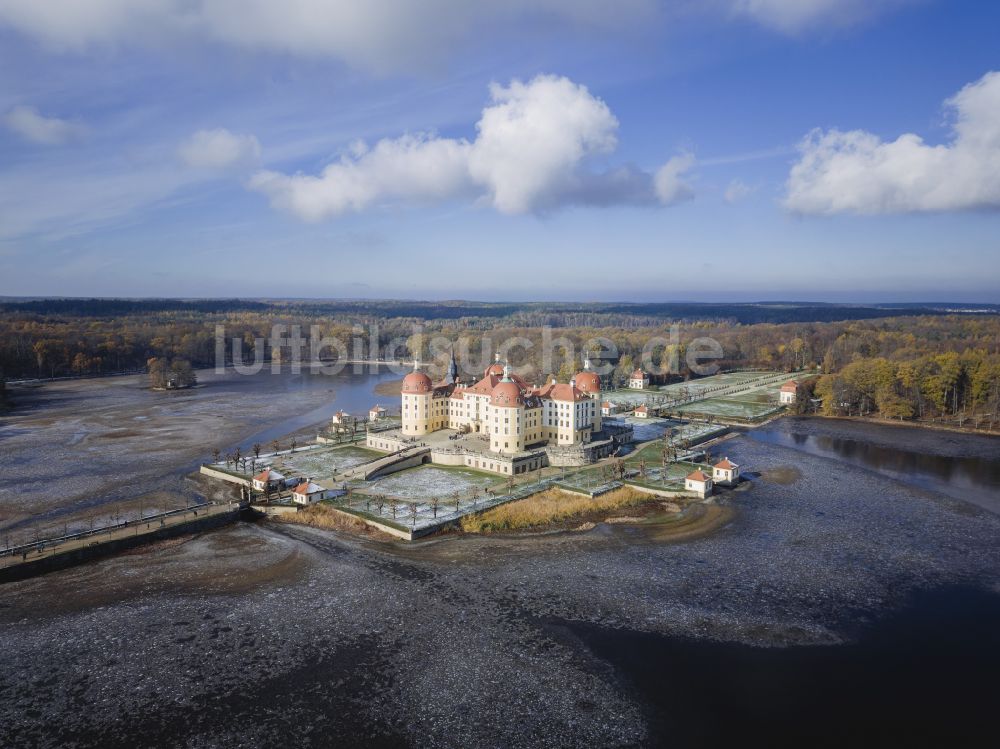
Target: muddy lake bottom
{"x": 843, "y": 603}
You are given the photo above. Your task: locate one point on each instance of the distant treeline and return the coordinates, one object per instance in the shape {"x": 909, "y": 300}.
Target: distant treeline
{"x": 561, "y": 314}
{"x": 908, "y": 366}
{"x": 112, "y": 307}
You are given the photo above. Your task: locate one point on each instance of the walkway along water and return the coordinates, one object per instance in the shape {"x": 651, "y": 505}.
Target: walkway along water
{"x": 46, "y": 555}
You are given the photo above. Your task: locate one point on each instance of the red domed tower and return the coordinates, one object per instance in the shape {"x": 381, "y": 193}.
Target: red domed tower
{"x": 416, "y": 394}
{"x": 588, "y": 381}
{"x": 504, "y": 417}
{"x": 496, "y": 368}
{"x": 417, "y": 382}
{"x": 506, "y": 394}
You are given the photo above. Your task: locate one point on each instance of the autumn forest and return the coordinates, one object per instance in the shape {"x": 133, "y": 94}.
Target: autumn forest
{"x": 897, "y": 364}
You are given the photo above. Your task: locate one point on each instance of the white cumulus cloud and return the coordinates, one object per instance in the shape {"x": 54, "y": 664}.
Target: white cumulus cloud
{"x": 858, "y": 172}
{"x": 219, "y": 149}
{"x": 28, "y": 123}
{"x": 530, "y": 154}
{"x": 410, "y": 168}
{"x": 532, "y": 139}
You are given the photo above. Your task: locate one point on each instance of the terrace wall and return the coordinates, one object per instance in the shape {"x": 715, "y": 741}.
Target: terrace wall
{"x": 667, "y": 493}
{"x": 232, "y": 478}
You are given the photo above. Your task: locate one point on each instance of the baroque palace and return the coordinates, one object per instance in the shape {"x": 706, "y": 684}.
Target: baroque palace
{"x": 502, "y": 423}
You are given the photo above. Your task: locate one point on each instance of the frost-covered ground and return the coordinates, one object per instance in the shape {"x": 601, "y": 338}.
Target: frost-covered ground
{"x": 428, "y": 481}
{"x": 734, "y": 395}
{"x": 267, "y": 635}
{"x": 409, "y": 495}
{"x": 74, "y": 449}
{"x": 653, "y": 428}
{"x": 325, "y": 462}
{"x": 731, "y": 408}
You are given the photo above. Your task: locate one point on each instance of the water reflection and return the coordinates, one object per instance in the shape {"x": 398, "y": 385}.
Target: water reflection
{"x": 353, "y": 393}
{"x": 968, "y": 478}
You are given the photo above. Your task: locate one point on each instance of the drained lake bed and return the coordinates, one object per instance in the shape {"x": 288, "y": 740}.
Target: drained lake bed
{"x": 601, "y": 638}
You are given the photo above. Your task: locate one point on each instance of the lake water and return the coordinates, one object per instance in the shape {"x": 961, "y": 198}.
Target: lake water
{"x": 353, "y": 393}
{"x": 972, "y": 478}
{"x": 925, "y": 676}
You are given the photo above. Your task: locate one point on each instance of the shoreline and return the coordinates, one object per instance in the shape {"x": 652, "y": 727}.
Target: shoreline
{"x": 695, "y": 521}
{"x": 902, "y": 423}
{"x": 653, "y": 518}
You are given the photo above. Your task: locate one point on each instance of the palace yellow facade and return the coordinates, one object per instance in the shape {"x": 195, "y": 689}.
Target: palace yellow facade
{"x": 512, "y": 413}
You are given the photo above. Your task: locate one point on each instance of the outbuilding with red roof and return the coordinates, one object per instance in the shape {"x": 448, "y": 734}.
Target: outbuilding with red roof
{"x": 699, "y": 482}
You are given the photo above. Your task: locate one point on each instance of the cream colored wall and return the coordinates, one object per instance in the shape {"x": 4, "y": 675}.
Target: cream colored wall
{"x": 506, "y": 429}
{"x": 416, "y": 413}
{"x": 422, "y": 413}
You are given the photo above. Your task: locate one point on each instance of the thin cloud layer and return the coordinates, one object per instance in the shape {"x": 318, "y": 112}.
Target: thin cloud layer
{"x": 737, "y": 190}
{"x": 530, "y": 154}
{"x": 858, "y": 172}
{"x": 50, "y": 131}
{"x": 385, "y": 35}
{"x": 219, "y": 149}
{"x": 794, "y": 16}
{"x": 382, "y": 35}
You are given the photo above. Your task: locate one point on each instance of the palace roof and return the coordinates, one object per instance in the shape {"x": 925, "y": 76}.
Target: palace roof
{"x": 417, "y": 382}
{"x": 506, "y": 394}
{"x": 560, "y": 391}
{"x": 588, "y": 382}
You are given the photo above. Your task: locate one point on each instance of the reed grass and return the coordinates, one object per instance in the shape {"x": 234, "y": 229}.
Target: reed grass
{"x": 549, "y": 506}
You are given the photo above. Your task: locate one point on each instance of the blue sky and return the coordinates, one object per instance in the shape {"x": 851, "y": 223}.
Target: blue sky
{"x": 731, "y": 149}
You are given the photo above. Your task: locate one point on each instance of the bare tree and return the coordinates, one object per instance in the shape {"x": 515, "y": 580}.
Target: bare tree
{"x": 620, "y": 469}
